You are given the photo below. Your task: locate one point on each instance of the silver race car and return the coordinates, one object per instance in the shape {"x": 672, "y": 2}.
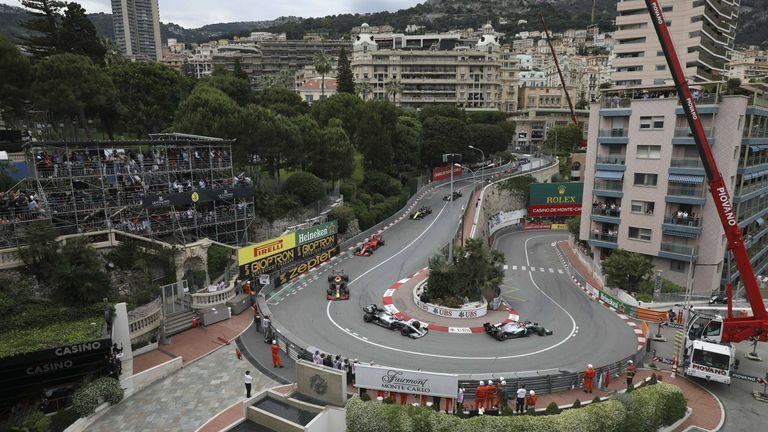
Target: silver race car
{"x": 515, "y": 330}
{"x": 383, "y": 318}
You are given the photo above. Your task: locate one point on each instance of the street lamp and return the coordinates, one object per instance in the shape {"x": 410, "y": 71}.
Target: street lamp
{"x": 482, "y": 152}
{"x": 470, "y": 170}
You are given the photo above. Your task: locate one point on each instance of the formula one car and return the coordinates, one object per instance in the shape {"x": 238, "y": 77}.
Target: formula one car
{"x": 421, "y": 213}
{"x": 515, "y": 330}
{"x": 367, "y": 248}
{"x": 383, "y": 318}
{"x": 337, "y": 286}
{"x": 456, "y": 194}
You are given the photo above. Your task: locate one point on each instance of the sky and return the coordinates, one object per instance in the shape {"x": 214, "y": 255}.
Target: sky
{"x": 197, "y": 13}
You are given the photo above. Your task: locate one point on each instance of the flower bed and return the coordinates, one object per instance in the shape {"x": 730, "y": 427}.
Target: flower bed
{"x": 645, "y": 409}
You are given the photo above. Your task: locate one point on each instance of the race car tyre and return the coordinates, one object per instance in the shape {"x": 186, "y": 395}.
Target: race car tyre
{"x": 367, "y": 318}
{"x": 346, "y": 278}
{"x": 381, "y": 243}
{"x": 404, "y": 331}
{"x": 500, "y": 336}
{"x": 330, "y": 291}
{"x": 541, "y": 331}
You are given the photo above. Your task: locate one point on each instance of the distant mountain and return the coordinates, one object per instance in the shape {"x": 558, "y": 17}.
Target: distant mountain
{"x": 435, "y": 15}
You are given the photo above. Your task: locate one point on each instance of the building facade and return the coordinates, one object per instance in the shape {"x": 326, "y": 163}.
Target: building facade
{"x": 703, "y": 33}
{"x": 649, "y": 190}
{"x": 538, "y": 110}
{"x": 137, "y": 28}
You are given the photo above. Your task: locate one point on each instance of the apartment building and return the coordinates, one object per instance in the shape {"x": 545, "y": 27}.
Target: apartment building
{"x": 470, "y": 78}
{"x": 649, "y": 190}
{"x": 137, "y": 28}
{"x": 702, "y": 30}
{"x": 539, "y": 109}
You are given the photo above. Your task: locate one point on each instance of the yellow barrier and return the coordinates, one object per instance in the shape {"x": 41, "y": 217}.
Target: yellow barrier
{"x": 559, "y": 227}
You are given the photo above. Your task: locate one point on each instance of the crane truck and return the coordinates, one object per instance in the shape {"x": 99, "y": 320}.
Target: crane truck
{"x": 709, "y": 339}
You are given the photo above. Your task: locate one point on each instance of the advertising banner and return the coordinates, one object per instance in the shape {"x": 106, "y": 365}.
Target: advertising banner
{"x": 406, "y": 381}
{"x": 444, "y": 172}
{"x": 316, "y": 232}
{"x": 265, "y": 249}
{"x": 294, "y": 271}
{"x": 555, "y": 199}
{"x": 193, "y": 197}
{"x": 537, "y": 226}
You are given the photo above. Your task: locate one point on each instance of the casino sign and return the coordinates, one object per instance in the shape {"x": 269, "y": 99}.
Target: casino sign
{"x": 555, "y": 199}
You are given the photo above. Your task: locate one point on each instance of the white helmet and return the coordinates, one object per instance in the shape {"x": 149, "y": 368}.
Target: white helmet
{"x": 481, "y": 383}
{"x": 503, "y": 383}
{"x": 589, "y": 365}
{"x": 631, "y": 362}
{"x": 501, "y": 378}
{"x": 532, "y": 393}
{"x": 274, "y": 342}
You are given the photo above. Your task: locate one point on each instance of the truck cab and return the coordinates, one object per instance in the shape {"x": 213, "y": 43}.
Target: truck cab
{"x": 710, "y": 361}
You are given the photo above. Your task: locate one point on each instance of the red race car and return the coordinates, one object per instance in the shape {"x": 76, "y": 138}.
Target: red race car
{"x": 371, "y": 245}
{"x": 337, "y": 286}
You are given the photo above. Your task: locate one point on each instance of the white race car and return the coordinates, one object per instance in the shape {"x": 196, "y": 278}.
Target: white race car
{"x": 515, "y": 330}
{"x": 383, "y": 318}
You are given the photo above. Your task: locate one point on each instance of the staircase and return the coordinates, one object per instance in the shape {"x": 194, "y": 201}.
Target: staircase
{"x": 178, "y": 322}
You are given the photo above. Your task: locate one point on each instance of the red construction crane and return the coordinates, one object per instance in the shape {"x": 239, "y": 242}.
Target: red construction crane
{"x": 733, "y": 329}
{"x": 547, "y": 35}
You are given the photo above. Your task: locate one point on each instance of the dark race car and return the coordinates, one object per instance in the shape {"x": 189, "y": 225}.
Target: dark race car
{"x": 515, "y": 330}
{"x": 337, "y": 286}
{"x": 718, "y": 298}
{"x": 421, "y": 213}
{"x": 383, "y": 318}
{"x": 454, "y": 197}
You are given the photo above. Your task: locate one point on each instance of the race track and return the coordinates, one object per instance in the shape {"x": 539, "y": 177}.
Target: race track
{"x": 536, "y": 285}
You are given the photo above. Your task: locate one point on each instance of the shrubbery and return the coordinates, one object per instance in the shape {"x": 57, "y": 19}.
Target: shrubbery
{"x": 87, "y": 398}
{"x": 343, "y": 215}
{"x": 646, "y": 409}
{"x": 305, "y": 186}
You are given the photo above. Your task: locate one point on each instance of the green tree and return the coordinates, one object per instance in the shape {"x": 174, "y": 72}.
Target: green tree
{"x": 44, "y": 27}
{"x": 39, "y": 256}
{"x": 475, "y": 271}
{"x": 112, "y": 53}
{"x": 239, "y": 89}
{"x": 442, "y": 111}
{"x": 14, "y": 86}
{"x": 78, "y": 34}
{"x": 238, "y": 71}
{"x": 307, "y": 187}
{"x": 71, "y": 86}
{"x": 393, "y": 88}
{"x": 442, "y": 135}
{"x": 282, "y": 101}
{"x": 149, "y": 94}
{"x": 332, "y": 158}
{"x": 489, "y": 137}
{"x": 79, "y": 274}
{"x": 270, "y": 136}
{"x": 345, "y": 82}
{"x": 342, "y": 106}
{"x": 375, "y": 139}
{"x": 322, "y": 65}
{"x": 309, "y": 145}
{"x": 574, "y": 226}
{"x": 406, "y": 144}
{"x": 363, "y": 89}
{"x": 208, "y": 111}
{"x": 626, "y": 270}
{"x": 732, "y": 85}
{"x": 563, "y": 138}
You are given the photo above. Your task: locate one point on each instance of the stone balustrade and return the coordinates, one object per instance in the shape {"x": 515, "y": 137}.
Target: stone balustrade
{"x": 202, "y": 300}
{"x": 145, "y": 318}
{"x": 9, "y": 258}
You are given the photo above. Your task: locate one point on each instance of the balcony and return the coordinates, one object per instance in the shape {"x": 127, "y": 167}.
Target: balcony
{"x": 677, "y": 252}
{"x": 617, "y": 102}
{"x": 604, "y": 240}
{"x": 683, "y": 221}
{"x": 608, "y": 188}
{"x": 706, "y": 103}
{"x": 608, "y": 215}
{"x": 689, "y": 227}
{"x": 686, "y": 195}
{"x": 613, "y": 136}
{"x": 613, "y": 133}
{"x": 610, "y": 163}
{"x": 686, "y": 166}
{"x": 684, "y": 136}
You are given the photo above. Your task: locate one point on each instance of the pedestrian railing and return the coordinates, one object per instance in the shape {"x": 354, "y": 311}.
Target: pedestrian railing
{"x": 144, "y": 319}
{"x": 203, "y": 300}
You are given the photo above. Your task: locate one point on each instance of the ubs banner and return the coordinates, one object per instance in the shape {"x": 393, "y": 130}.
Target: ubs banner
{"x": 555, "y": 199}
{"x": 23, "y": 373}
{"x": 291, "y": 254}
{"x": 406, "y": 381}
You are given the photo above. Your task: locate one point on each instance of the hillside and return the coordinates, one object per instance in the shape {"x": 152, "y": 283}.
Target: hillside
{"x": 435, "y": 15}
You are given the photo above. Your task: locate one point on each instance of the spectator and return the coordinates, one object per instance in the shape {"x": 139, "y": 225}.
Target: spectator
{"x": 520, "y": 406}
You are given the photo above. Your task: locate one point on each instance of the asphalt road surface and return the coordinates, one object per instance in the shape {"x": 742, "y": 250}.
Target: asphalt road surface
{"x": 584, "y": 332}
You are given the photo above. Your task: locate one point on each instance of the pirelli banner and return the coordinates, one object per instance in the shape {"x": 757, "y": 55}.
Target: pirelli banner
{"x": 555, "y": 199}
{"x": 289, "y": 250}
{"x": 196, "y": 197}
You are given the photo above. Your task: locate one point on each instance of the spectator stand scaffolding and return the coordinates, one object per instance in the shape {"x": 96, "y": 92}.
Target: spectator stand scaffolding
{"x": 173, "y": 187}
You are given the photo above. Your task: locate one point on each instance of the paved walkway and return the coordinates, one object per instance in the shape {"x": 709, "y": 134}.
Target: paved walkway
{"x": 186, "y": 399}
{"x": 469, "y": 215}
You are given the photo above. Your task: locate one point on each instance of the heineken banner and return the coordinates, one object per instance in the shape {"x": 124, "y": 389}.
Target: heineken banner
{"x": 555, "y": 199}
{"x": 288, "y": 251}
{"x": 194, "y": 197}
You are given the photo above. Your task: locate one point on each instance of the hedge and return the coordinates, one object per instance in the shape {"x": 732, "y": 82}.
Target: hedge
{"x": 87, "y": 398}
{"x": 647, "y": 408}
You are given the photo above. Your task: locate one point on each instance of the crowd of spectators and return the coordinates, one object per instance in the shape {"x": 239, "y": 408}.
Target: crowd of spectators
{"x": 18, "y": 206}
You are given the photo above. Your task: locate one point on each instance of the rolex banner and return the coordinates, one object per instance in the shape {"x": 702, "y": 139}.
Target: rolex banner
{"x": 555, "y": 199}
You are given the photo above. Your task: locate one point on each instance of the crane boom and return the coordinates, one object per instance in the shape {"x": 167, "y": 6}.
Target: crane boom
{"x": 735, "y": 329}
{"x": 559, "y": 71}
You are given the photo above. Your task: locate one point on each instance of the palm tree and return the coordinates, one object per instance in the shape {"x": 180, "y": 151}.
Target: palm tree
{"x": 322, "y": 66}
{"x": 112, "y": 52}
{"x": 393, "y": 88}
{"x": 363, "y": 88}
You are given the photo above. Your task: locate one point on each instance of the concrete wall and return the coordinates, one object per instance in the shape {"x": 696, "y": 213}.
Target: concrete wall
{"x": 335, "y": 392}
{"x": 137, "y": 382}
{"x": 331, "y": 419}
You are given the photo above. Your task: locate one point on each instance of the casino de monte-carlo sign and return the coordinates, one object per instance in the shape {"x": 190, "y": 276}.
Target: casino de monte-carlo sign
{"x": 406, "y": 381}
{"x": 64, "y": 364}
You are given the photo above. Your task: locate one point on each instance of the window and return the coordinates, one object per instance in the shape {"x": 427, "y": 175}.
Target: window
{"x": 643, "y": 207}
{"x": 308, "y": 98}
{"x": 649, "y": 152}
{"x": 678, "y": 266}
{"x": 643, "y": 234}
{"x": 661, "y": 67}
{"x": 642, "y": 179}
{"x": 651, "y": 123}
